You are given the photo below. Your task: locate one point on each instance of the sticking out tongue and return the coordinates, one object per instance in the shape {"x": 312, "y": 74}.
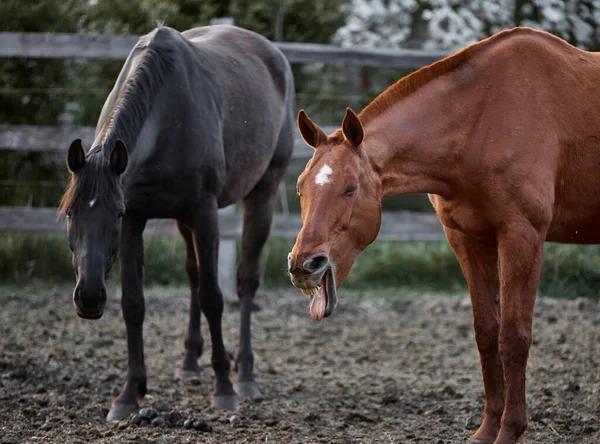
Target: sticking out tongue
{"x": 318, "y": 305}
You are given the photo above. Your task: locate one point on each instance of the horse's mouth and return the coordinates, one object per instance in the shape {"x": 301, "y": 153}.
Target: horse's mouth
{"x": 324, "y": 296}
{"x": 90, "y": 315}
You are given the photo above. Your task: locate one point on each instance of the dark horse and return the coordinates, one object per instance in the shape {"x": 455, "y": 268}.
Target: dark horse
{"x": 196, "y": 121}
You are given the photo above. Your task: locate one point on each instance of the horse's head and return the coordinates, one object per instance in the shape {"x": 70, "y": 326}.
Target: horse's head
{"x": 340, "y": 199}
{"x": 94, "y": 206}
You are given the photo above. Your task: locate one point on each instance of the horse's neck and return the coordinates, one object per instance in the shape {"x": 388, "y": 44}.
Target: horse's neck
{"x": 417, "y": 145}
{"x": 108, "y": 108}
{"x": 137, "y": 131}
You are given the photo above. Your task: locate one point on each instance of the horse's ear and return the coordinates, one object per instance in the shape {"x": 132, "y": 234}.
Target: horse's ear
{"x": 310, "y": 131}
{"x": 118, "y": 157}
{"x": 352, "y": 128}
{"x": 75, "y": 156}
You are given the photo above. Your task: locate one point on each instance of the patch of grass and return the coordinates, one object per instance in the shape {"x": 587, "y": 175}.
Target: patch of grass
{"x": 392, "y": 268}
{"x": 419, "y": 265}
{"x": 25, "y": 257}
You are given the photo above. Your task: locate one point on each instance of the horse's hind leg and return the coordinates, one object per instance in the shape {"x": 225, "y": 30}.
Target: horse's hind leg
{"x": 479, "y": 263}
{"x": 194, "y": 343}
{"x": 258, "y": 215}
{"x": 206, "y": 246}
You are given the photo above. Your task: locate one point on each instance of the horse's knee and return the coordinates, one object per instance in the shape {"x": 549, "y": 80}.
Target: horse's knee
{"x": 211, "y": 302}
{"x": 486, "y": 336}
{"x": 247, "y": 284}
{"x": 134, "y": 309}
{"x": 514, "y": 344}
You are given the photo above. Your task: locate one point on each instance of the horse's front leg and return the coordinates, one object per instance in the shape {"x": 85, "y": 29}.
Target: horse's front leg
{"x": 521, "y": 249}
{"x": 132, "y": 303}
{"x": 479, "y": 263}
{"x": 206, "y": 243}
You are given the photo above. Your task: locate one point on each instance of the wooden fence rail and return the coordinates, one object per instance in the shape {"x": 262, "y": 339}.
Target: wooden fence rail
{"x": 58, "y": 138}
{"x": 395, "y": 225}
{"x": 117, "y": 47}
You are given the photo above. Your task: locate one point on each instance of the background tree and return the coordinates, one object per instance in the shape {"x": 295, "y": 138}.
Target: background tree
{"x": 34, "y": 91}
{"x": 453, "y": 24}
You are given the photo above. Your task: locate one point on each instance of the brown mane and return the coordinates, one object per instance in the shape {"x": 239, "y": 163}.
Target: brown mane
{"x": 413, "y": 81}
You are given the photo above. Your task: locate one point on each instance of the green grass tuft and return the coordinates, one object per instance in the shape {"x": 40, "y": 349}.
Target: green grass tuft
{"x": 568, "y": 271}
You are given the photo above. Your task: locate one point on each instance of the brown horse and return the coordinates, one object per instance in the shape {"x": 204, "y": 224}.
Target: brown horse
{"x": 505, "y": 137}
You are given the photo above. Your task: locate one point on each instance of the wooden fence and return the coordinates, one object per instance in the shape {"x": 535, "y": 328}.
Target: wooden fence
{"x": 395, "y": 225}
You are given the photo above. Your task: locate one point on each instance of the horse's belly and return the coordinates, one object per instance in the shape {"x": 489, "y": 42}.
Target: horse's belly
{"x": 240, "y": 182}
{"x": 575, "y": 230}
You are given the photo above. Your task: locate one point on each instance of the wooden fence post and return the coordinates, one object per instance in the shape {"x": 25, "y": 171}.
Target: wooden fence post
{"x": 227, "y": 247}
{"x": 222, "y": 21}
{"x": 228, "y": 262}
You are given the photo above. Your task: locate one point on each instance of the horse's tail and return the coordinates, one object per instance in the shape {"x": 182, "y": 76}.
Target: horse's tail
{"x": 290, "y": 91}
{"x": 288, "y": 122}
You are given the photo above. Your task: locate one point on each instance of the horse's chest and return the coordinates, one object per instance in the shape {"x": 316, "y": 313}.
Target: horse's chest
{"x": 460, "y": 216}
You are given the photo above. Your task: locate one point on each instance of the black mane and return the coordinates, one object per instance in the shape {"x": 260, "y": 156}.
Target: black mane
{"x": 139, "y": 93}
{"x": 125, "y": 120}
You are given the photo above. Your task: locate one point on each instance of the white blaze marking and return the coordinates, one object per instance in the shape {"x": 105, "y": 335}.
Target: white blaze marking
{"x": 322, "y": 176}
{"x": 92, "y": 203}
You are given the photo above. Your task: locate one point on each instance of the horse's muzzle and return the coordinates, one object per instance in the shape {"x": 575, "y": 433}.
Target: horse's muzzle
{"x": 310, "y": 272}
{"x": 89, "y": 304}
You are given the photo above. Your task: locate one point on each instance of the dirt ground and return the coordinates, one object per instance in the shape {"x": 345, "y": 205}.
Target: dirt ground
{"x": 405, "y": 371}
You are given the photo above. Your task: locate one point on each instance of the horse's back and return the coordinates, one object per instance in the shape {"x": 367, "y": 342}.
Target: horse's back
{"x": 240, "y": 52}
{"x": 256, "y": 92}
{"x": 533, "y": 150}
{"x": 536, "y": 148}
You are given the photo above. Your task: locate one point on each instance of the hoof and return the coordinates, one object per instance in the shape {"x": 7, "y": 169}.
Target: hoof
{"x": 248, "y": 390}
{"x": 476, "y": 441}
{"x": 119, "y": 412}
{"x": 187, "y": 375}
{"x": 226, "y": 402}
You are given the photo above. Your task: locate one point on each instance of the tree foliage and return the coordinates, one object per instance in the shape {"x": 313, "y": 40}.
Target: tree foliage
{"x": 453, "y": 24}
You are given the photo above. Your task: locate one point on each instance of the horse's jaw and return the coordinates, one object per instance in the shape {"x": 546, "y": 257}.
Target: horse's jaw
{"x": 324, "y": 296}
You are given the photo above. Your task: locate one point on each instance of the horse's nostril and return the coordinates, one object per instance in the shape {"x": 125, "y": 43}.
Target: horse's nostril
{"x": 77, "y": 296}
{"x": 316, "y": 263}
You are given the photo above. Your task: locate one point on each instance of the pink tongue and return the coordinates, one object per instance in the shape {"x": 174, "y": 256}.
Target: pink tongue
{"x": 318, "y": 305}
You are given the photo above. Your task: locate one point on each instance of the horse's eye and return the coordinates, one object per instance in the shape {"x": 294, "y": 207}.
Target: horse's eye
{"x": 120, "y": 214}
{"x": 68, "y": 214}
{"x": 350, "y": 190}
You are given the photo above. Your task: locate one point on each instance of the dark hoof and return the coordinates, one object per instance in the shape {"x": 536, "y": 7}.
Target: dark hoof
{"x": 248, "y": 390}
{"x": 187, "y": 375}
{"x": 121, "y": 411}
{"x": 226, "y": 402}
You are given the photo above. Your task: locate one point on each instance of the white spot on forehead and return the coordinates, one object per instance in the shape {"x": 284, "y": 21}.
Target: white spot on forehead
{"x": 92, "y": 202}
{"x": 322, "y": 176}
